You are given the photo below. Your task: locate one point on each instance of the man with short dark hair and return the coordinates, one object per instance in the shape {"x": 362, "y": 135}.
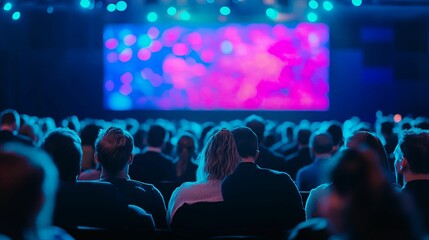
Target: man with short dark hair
{"x": 267, "y": 158}
{"x": 152, "y": 166}
{"x": 263, "y": 199}
{"x": 412, "y": 161}
{"x": 87, "y": 203}
{"x": 9, "y": 128}
{"x": 311, "y": 176}
{"x": 113, "y": 150}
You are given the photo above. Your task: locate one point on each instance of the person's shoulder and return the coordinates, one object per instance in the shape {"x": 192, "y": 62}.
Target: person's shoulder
{"x": 280, "y": 176}
{"x": 144, "y": 185}
{"x": 166, "y": 158}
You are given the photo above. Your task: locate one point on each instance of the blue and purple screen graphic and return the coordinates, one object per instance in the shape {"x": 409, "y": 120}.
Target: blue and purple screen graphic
{"x": 228, "y": 67}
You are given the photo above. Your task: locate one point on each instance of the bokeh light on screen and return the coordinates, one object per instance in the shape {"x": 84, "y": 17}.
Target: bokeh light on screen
{"x": 231, "y": 67}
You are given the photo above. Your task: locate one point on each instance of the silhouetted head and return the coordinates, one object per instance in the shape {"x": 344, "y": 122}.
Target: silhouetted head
{"x": 10, "y": 120}
{"x": 412, "y": 152}
{"x": 257, "y": 124}
{"x": 113, "y": 149}
{"x": 247, "y": 142}
{"x": 219, "y": 157}
{"x": 89, "y": 134}
{"x": 321, "y": 143}
{"x": 367, "y": 140}
{"x": 336, "y": 132}
{"x": 28, "y": 183}
{"x": 64, "y": 146}
{"x": 156, "y": 136}
{"x": 303, "y": 136}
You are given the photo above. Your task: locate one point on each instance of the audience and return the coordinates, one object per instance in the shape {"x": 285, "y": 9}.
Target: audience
{"x": 28, "y": 183}
{"x": 318, "y": 172}
{"x": 113, "y": 149}
{"x": 218, "y": 159}
{"x": 9, "y": 128}
{"x": 412, "y": 162}
{"x": 93, "y": 204}
{"x": 236, "y": 185}
{"x": 264, "y": 199}
{"x": 186, "y": 169}
{"x": 152, "y": 166}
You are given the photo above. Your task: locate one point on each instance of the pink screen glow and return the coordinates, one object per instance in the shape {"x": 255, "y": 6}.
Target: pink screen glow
{"x": 231, "y": 67}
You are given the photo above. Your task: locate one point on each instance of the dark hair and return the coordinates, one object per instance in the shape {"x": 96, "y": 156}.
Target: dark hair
{"x": 362, "y": 139}
{"x": 156, "y": 135}
{"x": 257, "y": 124}
{"x": 28, "y": 184}
{"x": 10, "y": 117}
{"x": 414, "y": 145}
{"x": 186, "y": 147}
{"x": 114, "y": 147}
{"x": 351, "y": 172}
{"x": 64, "y": 146}
{"x": 89, "y": 134}
{"x": 20, "y": 189}
{"x": 303, "y": 136}
{"x": 321, "y": 142}
{"x": 246, "y": 140}
{"x": 336, "y": 132}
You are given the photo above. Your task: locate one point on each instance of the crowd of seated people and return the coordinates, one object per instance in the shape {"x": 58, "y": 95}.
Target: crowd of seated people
{"x": 259, "y": 177}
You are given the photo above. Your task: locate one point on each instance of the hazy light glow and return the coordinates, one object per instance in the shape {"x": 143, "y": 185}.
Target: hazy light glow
{"x": 357, "y": 3}
{"x": 16, "y": 15}
{"x": 272, "y": 13}
{"x": 185, "y": 16}
{"x": 313, "y": 4}
{"x": 328, "y": 6}
{"x": 111, "y": 7}
{"x": 312, "y": 17}
{"x": 171, "y": 11}
{"x": 85, "y": 3}
{"x": 152, "y": 17}
{"x": 7, "y": 6}
{"x": 225, "y": 10}
{"x": 50, "y": 10}
{"x": 121, "y": 6}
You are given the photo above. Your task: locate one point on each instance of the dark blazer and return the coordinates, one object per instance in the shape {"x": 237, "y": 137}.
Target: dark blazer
{"x": 298, "y": 160}
{"x": 143, "y": 195}
{"x": 97, "y": 204}
{"x": 269, "y": 159}
{"x": 263, "y": 198}
{"x": 8, "y": 136}
{"x": 418, "y": 191}
{"x": 152, "y": 167}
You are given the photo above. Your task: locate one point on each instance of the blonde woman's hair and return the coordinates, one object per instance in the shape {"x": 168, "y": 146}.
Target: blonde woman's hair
{"x": 219, "y": 157}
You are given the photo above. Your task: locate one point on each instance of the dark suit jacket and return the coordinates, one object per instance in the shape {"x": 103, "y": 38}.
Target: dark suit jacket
{"x": 143, "y": 195}
{"x": 418, "y": 191}
{"x": 97, "y": 204}
{"x": 298, "y": 160}
{"x": 152, "y": 167}
{"x": 263, "y": 198}
{"x": 8, "y": 136}
{"x": 270, "y": 159}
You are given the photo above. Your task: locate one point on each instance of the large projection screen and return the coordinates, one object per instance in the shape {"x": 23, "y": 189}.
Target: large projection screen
{"x": 217, "y": 67}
